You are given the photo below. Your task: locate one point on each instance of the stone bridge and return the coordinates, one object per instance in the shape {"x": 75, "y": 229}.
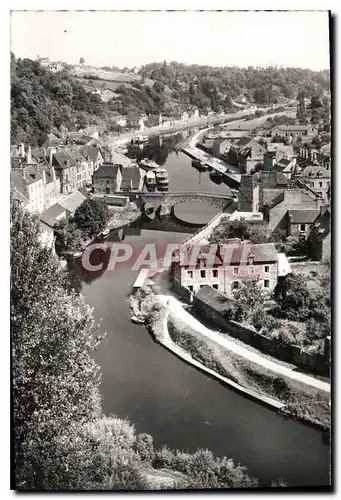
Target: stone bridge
{"x": 164, "y": 203}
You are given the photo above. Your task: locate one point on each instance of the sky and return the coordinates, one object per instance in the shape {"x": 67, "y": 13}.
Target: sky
{"x": 128, "y": 39}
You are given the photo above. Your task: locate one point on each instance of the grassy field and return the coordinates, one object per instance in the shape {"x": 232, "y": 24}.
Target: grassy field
{"x": 301, "y": 401}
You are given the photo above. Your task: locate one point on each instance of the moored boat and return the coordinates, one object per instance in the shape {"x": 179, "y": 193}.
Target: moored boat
{"x": 137, "y": 320}
{"x": 148, "y": 164}
{"x": 200, "y": 165}
{"x": 150, "y": 180}
{"x": 149, "y": 211}
{"x": 162, "y": 179}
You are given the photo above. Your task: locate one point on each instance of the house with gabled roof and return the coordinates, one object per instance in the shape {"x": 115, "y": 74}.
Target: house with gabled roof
{"x": 318, "y": 179}
{"x": 225, "y": 267}
{"x": 107, "y": 179}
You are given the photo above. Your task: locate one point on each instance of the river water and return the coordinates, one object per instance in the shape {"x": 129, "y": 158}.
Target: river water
{"x": 176, "y": 404}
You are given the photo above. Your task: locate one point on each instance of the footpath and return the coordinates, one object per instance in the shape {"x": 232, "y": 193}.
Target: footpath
{"x": 176, "y": 307}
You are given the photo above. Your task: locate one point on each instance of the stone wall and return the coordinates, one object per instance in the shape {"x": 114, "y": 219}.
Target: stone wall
{"x": 314, "y": 363}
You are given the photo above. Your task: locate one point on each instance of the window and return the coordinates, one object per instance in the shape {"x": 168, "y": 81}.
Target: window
{"x": 190, "y": 274}
{"x": 190, "y": 288}
{"x": 321, "y": 184}
{"x": 235, "y": 270}
{"x": 266, "y": 283}
{"x": 215, "y": 273}
{"x": 202, "y": 274}
{"x": 215, "y": 286}
{"x": 266, "y": 269}
{"x": 235, "y": 285}
{"x": 302, "y": 228}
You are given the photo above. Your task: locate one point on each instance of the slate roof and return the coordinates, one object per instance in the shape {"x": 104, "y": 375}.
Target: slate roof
{"x": 265, "y": 252}
{"x": 62, "y": 160}
{"x": 130, "y": 178}
{"x": 214, "y": 299}
{"x": 51, "y": 216}
{"x": 283, "y": 162}
{"x": 72, "y": 201}
{"x": 313, "y": 170}
{"x": 91, "y": 151}
{"x": 304, "y": 216}
{"x": 244, "y": 141}
{"x": 107, "y": 170}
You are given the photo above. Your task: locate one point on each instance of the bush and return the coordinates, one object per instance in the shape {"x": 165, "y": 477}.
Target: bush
{"x": 144, "y": 446}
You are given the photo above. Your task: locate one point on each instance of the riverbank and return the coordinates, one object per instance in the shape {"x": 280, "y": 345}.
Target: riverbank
{"x": 287, "y": 396}
{"x": 121, "y": 216}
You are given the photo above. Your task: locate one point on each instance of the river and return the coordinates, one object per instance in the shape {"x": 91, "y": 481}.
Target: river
{"x": 176, "y": 404}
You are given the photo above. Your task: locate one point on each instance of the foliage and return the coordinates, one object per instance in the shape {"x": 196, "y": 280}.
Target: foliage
{"x": 292, "y": 295}
{"x": 227, "y": 229}
{"x": 68, "y": 237}
{"x": 42, "y": 101}
{"x": 248, "y": 298}
{"x": 91, "y": 217}
{"x": 55, "y": 379}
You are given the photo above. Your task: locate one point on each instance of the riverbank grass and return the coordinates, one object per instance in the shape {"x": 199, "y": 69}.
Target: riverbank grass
{"x": 301, "y": 401}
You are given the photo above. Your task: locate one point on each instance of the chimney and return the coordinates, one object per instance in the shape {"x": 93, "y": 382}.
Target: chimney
{"x": 44, "y": 177}
{"x": 24, "y": 173}
{"x": 290, "y": 217}
{"x": 53, "y": 173}
{"x": 50, "y": 156}
{"x": 29, "y": 155}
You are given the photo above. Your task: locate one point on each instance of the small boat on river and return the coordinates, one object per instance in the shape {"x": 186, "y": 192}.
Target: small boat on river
{"x": 137, "y": 320}
{"x": 149, "y": 211}
{"x": 162, "y": 179}
{"x": 150, "y": 180}
{"x": 200, "y": 165}
{"x": 148, "y": 164}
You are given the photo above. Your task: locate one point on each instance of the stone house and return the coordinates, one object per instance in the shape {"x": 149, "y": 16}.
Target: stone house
{"x": 249, "y": 152}
{"x": 318, "y": 179}
{"x": 294, "y": 131}
{"x": 37, "y": 184}
{"x": 289, "y": 200}
{"x": 29, "y": 188}
{"x": 300, "y": 221}
{"x": 221, "y": 147}
{"x": 135, "y": 120}
{"x": 132, "y": 179}
{"x": 93, "y": 154}
{"x": 227, "y": 268}
{"x": 107, "y": 179}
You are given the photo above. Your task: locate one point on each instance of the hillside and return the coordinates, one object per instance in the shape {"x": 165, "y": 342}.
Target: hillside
{"x": 41, "y": 101}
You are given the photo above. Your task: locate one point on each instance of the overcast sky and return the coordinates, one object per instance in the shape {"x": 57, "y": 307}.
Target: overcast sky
{"x": 109, "y": 38}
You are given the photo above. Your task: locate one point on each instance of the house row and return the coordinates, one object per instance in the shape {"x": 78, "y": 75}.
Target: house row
{"x": 42, "y": 175}
{"x": 288, "y": 207}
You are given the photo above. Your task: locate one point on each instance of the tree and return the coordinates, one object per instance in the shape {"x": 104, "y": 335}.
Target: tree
{"x": 292, "y": 296}
{"x": 55, "y": 378}
{"x": 239, "y": 229}
{"x": 91, "y": 217}
{"x": 249, "y": 297}
{"x": 81, "y": 61}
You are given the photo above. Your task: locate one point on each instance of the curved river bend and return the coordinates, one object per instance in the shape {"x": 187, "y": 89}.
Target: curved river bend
{"x": 180, "y": 406}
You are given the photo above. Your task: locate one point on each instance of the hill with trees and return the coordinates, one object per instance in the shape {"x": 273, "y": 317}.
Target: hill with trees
{"x": 42, "y": 101}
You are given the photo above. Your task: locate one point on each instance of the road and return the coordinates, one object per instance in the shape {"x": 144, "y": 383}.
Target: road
{"x": 125, "y": 138}
{"x": 176, "y": 307}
